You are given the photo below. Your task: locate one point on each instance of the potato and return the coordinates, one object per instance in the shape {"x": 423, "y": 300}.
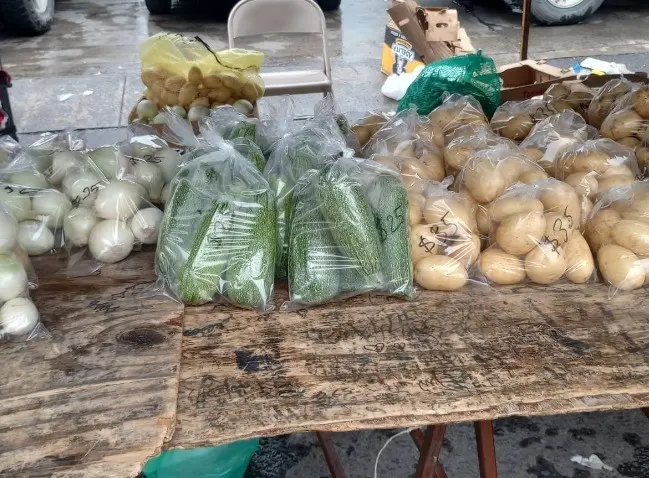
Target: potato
{"x": 640, "y": 203}
{"x": 612, "y": 181}
{"x": 222, "y": 95}
{"x": 412, "y": 167}
{"x": 519, "y": 233}
{"x": 212, "y": 81}
{"x": 584, "y": 184}
{"x": 502, "y": 268}
{"x": 424, "y": 242}
{"x": 617, "y": 170}
{"x": 580, "y": 262}
{"x": 388, "y": 161}
{"x": 251, "y": 92}
{"x": 558, "y": 228}
{"x": 415, "y": 208}
{"x": 518, "y": 127}
{"x": 634, "y": 235}
{"x": 438, "y": 139}
{"x": 528, "y": 177}
{"x": 187, "y": 94}
{"x": 586, "y": 209}
{"x": 511, "y": 169}
{"x": 149, "y": 77}
{"x": 545, "y": 264}
{"x": 448, "y": 210}
{"x": 586, "y": 162}
{"x": 441, "y": 117}
{"x": 534, "y": 153}
{"x": 620, "y": 267}
{"x": 194, "y": 76}
{"x": 465, "y": 249}
{"x": 456, "y": 157}
{"x": 599, "y": 228}
{"x": 560, "y": 105}
{"x": 599, "y": 110}
{"x": 483, "y": 180}
{"x": 622, "y": 124}
{"x": 230, "y": 80}
{"x": 425, "y": 131}
{"x": 200, "y": 101}
{"x": 563, "y": 199}
{"x": 558, "y": 91}
{"x": 203, "y": 91}
{"x": 640, "y": 101}
{"x": 507, "y": 206}
{"x": 630, "y": 142}
{"x": 440, "y": 273}
{"x": 169, "y": 98}
{"x": 157, "y": 88}
{"x": 482, "y": 220}
{"x": 405, "y": 149}
{"x": 642, "y": 154}
{"x": 174, "y": 83}
{"x": 434, "y": 164}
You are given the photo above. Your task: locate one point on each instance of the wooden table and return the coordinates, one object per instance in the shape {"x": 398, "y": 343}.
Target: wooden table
{"x": 100, "y": 397}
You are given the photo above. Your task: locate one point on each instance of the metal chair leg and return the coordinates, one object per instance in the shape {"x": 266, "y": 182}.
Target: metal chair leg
{"x": 329, "y": 451}
{"x": 429, "y": 450}
{"x": 484, "y": 435}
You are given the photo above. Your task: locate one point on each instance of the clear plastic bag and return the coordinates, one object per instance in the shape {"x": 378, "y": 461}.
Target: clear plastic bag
{"x": 368, "y": 125}
{"x": 444, "y": 237}
{"x": 515, "y": 119}
{"x": 605, "y": 99}
{"x": 552, "y": 135}
{"x": 569, "y": 95}
{"x": 326, "y": 109}
{"x": 348, "y": 234}
{"x": 618, "y": 234}
{"x": 9, "y": 149}
{"x": 642, "y": 156}
{"x": 534, "y": 235}
{"x": 596, "y": 165}
{"x": 181, "y": 71}
{"x": 455, "y": 111}
{"x": 218, "y": 235}
{"x": 629, "y": 119}
{"x": 310, "y": 147}
{"x": 19, "y": 317}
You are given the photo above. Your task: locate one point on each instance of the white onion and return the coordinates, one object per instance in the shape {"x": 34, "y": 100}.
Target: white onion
{"x": 149, "y": 176}
{"x": 243, "y": 106}
{"x": 18, "y": 204}
{"x": 159, "y": 119}
{"x": 196, "y": 113}
{"x": 110, "y": 241}
{"x": 62, "y": 163}
{"x": 119, "y": 200}
{"x": 13, "y": 278}
{"x": 30, "y": 179}
{"x": 8, "y": 232}
{"x": 18, "y": 316}
{"x": 50, "y": 207}
{"x": 77, "y": 225}
{"x": 168, "y": 161}
{"x": 82, "y": 187}
{"x": 35, "y": 237}
{"x": 105, "y": 159}
{"x": 146, "y": 224}
{"x": 142, "y": 150}
{"x": 146, "y": 109}
{"x": 166, "y": 193}
{"x": 179, "y": 110}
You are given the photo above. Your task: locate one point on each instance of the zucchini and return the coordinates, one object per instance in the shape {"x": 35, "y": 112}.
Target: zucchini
{"x": 345, "y": 205}
{"x": 249, "y": 150}
{"x": 389, "y": 201}
{"x": 283, "y": 195}
{"x": 313, "y": 260}
{"x": 250, "y": 272}
{"x": 244, "y": 129}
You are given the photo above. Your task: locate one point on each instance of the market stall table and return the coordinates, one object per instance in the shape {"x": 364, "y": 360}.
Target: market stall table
{"x": 101, "y": 396}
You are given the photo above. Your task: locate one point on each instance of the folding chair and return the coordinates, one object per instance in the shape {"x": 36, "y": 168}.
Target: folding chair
{"x": 263, "y": 17}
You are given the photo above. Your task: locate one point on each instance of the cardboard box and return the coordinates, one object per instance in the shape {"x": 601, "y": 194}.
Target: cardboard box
{"x": 398, "y": 55}
{"x": 440, "y": 24}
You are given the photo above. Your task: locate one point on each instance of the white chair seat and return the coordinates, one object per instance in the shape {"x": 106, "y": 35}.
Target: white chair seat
{"x": 295, "y": 82}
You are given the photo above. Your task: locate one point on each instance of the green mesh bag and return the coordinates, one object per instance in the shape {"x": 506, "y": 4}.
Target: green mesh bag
{"x": 472, "y": 74}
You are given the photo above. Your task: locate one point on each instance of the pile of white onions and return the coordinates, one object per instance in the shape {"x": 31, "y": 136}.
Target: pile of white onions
{"x": 18, "y": 314}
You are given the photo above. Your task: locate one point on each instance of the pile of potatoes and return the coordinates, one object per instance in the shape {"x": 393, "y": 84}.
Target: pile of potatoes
{"x": 605, "y": 99}
{"x": 200, "y": 88}
{"x": 627, "y": 122}
{"x": 455, "y": 111}
{"x": 443, "y": 237}
{"x": 618, "y": 233}
{"x": 569, "y": 95}
{"x": 466, "y": 140}
{"x": 418, "y": 162}
{"x": 368, "y": 126}
{"x": 515, "y": 119}
{"x": 534, "y": 234}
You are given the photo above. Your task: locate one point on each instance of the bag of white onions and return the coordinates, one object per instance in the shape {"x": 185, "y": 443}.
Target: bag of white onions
{"x": 9, "y": 149}
{"x": 444, "y": 237}
{"x": 628, "y": 120}
{"x": 178, "y": 71}
{"x": 593, "y": 166}
{"x": 534, "y": 234}
{"x": 515, "y": 119}
{"x": 218, "y": 235}
{"x": 455, "y": 111}
{"x": 19, "y": 317}
{"x": 605, "y": 99}
{"x": 554, "y": 133}
{"x": 618, "y": 234}
{"x": 569, "y": 95}
{"x": 310, "y": 147}
{"x": 348, "y": 234}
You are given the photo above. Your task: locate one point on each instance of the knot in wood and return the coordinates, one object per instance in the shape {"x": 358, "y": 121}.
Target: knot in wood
{"x": 142, "y": 337}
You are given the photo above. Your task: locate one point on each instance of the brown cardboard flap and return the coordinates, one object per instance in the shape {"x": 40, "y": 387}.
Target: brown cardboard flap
{"x": 463, "y": 44}
{"x": 404, "y": 15}
{"x": 440, "y": 24}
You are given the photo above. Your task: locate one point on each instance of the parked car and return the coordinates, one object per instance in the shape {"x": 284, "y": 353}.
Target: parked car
{"x": 563, "y": 12}
{"x": 164, "y": 6}
{"x": 27, "y": 17}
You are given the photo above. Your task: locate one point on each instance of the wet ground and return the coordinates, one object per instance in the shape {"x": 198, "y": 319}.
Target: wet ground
{"x": 85, "y": 74}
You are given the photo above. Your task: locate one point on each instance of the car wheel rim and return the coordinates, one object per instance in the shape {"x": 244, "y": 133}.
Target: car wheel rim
{"x": 565, "y": 3}
{"x": 40, "y": 5}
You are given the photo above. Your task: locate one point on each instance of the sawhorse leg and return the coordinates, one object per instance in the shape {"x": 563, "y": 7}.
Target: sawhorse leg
{"x": 327, "y": 445}
{"x": 430, "y": 446}
{"x": 484, "y": 435}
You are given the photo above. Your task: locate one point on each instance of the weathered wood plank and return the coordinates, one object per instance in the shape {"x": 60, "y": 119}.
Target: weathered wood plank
{"x": 99, "y": 398}
{"x": 381, "y": 363}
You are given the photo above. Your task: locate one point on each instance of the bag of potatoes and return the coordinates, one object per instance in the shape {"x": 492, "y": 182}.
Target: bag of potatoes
{"x": 455, "y": 111}
{"x": 444, "y": 238}
{"x": 367, "y": 125}
{"x": 605, "y": 99}
{"x": 182, "y": 71}
{"x": 628, "y": 120}
{"x": 534, "y": 235}
{"x": 569, "y": 95}
{"x": 515, "y": 119}
{"x": 618, "y": 234}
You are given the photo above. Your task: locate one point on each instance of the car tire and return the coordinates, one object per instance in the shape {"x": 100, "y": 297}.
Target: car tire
{"x": 329, "y": 4}
{"x": 547, "y": 13}
{"x": 27, "y": 17}
{"x": 158, "y": 6}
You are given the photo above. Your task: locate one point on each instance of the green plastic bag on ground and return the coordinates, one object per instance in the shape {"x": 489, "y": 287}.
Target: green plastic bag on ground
{"x": 472, "y": 74}
{"x": 224, "y": 461}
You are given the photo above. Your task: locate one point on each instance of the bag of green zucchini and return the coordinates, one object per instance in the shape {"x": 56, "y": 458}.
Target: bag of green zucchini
{"x": 348, "y": 234}
{"x": 231, "y": 124}
{"x": 310, "y": 147}
{"x": 218, "y": 235}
